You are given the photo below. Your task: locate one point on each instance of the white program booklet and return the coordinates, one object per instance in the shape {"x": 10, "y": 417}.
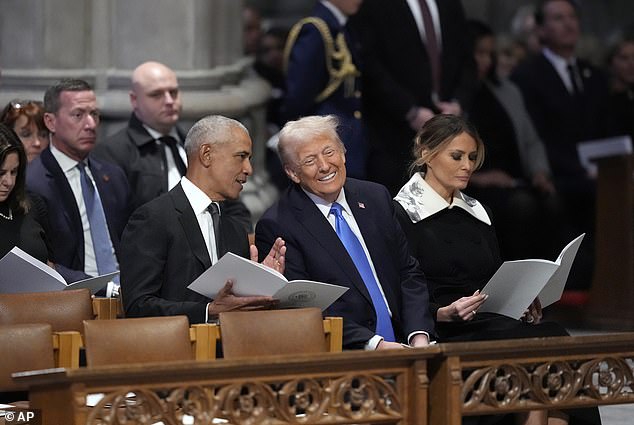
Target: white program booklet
{"x": 20, "y": 272}
{"x": 516, "y": 284}
{"x": 251, "y": 278}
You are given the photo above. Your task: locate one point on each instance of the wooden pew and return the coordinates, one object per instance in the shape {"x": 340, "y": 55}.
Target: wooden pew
{"x": 343, "y": 388}
{"x": 205, "y": 336}
{"x": 202, "y": 336}
{"x": 491, "y": 377}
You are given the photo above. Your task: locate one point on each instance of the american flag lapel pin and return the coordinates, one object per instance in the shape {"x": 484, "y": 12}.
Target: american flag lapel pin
{"x": 106, "y": 178}
{"x": 361, "y": 204}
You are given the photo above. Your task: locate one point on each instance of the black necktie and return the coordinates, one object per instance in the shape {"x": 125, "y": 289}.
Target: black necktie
{"x": 574, "y": 79}
{"x": 433, "y": 48}
{"x": 173, "y": 145}
{"x": 214, "y": 210}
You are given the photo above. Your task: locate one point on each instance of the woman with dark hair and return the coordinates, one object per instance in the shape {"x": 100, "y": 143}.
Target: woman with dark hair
{"x": 21, "y": 216}
{"x": 26, "y": 118}
{"x": 453, "y": 238}
{"x": 515, "y": 180}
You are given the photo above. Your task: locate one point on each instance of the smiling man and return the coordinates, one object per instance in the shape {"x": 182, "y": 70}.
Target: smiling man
{"x": 173, "y": 239}
{"x": 87, "y": 199}
{"x": 343, "y": 231}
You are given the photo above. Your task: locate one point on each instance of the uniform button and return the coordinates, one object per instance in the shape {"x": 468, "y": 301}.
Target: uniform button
{"x": 357, "y": 114}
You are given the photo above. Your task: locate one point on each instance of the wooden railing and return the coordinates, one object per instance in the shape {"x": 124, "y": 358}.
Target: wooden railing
{"x": 330, "y": 388}
{"x": 434, "y": 385}
{"x": 530, "y": 374}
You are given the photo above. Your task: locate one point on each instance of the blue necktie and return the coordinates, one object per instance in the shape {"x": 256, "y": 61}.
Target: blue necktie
{"x": 360, "y": 260}
{"x": 104, "y": 255}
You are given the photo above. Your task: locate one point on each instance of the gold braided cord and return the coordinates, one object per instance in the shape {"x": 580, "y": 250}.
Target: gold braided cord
{"x": 338, "y": 57}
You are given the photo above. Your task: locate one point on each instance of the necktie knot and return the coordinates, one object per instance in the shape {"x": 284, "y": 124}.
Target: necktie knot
{"x": 213, "y": 209}
{"x": 336, "y": 209}
{"x": 172, "y": 144}
{"x": 168, "y": 140}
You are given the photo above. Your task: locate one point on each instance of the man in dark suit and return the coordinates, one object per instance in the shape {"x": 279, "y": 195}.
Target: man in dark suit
{"x": 173, "y": 239}
{"x": 323, "y": 75}
{"x": 387, "y": 300}
{"x": 566, "y": 98}
{"x": 402, "y": 89}
{"x": 150, "y": 149}
{"x": 72, "y": 116}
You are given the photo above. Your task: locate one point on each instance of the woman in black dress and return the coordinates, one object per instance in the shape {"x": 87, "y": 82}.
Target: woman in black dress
{"x": 452, "y": 237}
{"x": 22, "y": 217}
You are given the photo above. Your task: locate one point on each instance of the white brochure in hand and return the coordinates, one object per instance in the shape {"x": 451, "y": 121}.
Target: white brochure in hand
{"x": 251, "y": 278}
{"x": 20, "y": 272}
{"x": 516, "y": 284}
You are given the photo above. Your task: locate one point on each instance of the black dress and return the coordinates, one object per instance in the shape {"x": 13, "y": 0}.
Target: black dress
{"x": 459, "y": 254}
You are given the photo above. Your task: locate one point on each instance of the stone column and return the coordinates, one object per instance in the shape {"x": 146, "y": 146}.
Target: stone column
{"x": 101, "y": 41}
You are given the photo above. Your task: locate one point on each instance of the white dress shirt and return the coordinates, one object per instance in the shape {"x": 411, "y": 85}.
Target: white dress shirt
{"x": 199, "y": 202}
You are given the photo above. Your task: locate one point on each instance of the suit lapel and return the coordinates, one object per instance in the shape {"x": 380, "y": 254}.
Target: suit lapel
{"x": 322, "y": 232}
{"x": 190, "y": 226}
{"x": 59, "y": 185}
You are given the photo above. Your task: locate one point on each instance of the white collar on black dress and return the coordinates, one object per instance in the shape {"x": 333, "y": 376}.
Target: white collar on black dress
{"x": 420, "y": 201}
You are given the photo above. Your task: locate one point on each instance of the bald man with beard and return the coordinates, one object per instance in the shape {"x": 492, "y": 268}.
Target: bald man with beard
{"x": 150, "y": 149}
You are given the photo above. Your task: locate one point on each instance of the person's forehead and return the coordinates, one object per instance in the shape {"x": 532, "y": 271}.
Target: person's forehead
{"x": 73, "y": 98}
{"x": 160, "y": 79}
{"x": 315, "y": 144}
{"x": 237, "y": 141}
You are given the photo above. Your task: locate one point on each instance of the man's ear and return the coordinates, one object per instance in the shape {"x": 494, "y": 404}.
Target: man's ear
{"x": 132, "y": 99}
{"x": 205, "y": 154}
{"x": 49, "y": 121}
{"x": 291, "y": 174}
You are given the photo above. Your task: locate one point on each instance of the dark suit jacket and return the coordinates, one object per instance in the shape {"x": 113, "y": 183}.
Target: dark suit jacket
{"x": 141, "y": 158}
{"x": 163, "y": 251}
{"x": 315, "y": 252}
{"x": 560, "y": 118}
{"x": 46, "y": 178}
{"x": 307, "y": 76}
{"x": 397, "y": 77}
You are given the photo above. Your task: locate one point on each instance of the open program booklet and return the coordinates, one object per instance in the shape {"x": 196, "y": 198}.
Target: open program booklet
{"x": 251, "y": 278}
{"x": 517, "y": 283}
{"x": 20, "y": 272}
